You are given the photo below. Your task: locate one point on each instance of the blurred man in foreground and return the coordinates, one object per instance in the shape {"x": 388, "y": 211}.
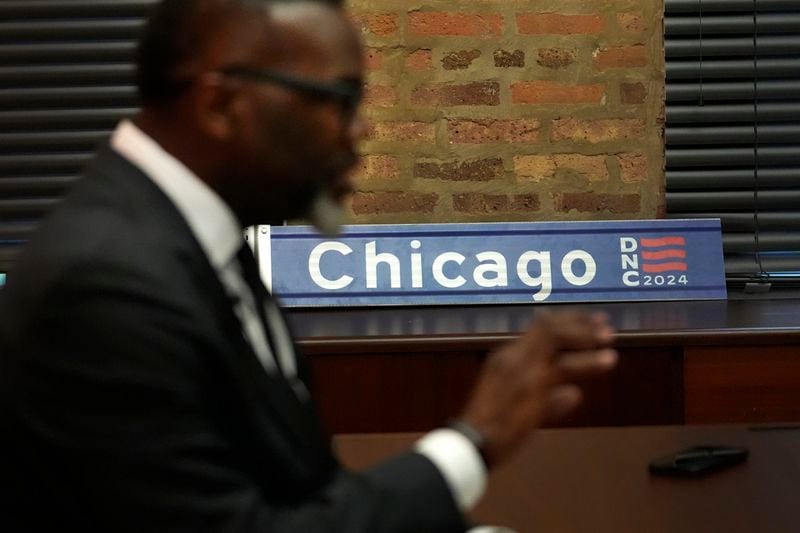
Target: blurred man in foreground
{"x": 148, "y": 380}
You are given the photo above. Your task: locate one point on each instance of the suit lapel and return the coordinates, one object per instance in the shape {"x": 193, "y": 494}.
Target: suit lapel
{"x": 266, "y": 395}
{"x": 274, "y": 408}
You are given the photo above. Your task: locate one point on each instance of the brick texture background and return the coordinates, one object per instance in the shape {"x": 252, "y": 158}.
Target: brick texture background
{"x": 488, "y": 110}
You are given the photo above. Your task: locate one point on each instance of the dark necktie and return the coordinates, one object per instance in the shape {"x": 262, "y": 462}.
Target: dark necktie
{"x": 253, "y": 280}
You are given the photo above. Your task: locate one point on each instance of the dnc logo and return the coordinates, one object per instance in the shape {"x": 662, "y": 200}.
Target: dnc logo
{"x": 653, "y": 261}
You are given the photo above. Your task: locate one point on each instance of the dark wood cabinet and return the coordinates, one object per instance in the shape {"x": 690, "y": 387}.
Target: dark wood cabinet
{"x": 410, "y": 369}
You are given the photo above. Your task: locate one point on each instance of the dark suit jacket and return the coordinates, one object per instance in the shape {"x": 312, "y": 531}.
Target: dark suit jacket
{"x": 130, "y": 401}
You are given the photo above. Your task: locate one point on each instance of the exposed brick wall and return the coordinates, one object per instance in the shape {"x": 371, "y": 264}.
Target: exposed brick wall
{"x": 486, "y": 110}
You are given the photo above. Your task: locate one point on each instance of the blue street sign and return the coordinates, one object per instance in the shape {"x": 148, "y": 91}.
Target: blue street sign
{"x": 436, "y": 264}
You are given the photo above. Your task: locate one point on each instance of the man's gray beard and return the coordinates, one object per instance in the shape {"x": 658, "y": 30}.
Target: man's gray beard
{"x": 327, "y": 215}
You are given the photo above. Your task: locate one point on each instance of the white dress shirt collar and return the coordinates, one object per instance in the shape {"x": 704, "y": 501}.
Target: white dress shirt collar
{"x": 211, "y": 220}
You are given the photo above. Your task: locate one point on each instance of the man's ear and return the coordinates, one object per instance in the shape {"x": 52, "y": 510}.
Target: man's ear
{"x": 213, "y": 106}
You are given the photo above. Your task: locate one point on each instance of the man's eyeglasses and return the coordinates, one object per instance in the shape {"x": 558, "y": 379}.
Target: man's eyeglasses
{"x": 347, "y": 94}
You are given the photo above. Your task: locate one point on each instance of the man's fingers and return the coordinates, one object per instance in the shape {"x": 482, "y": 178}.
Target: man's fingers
{"x": 561, "y": 401}
{"x": 569, "y": 330}
{"x": 582, "y": 330}
{"x": 586, "y": 363}
{"x": 605, "y": 331}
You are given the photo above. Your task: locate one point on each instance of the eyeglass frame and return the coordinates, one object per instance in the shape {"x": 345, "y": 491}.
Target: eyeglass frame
{"x": 347, "y": 94}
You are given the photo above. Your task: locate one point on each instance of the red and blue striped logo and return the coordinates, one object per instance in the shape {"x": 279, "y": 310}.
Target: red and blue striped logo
{"x": 665, "y": 254}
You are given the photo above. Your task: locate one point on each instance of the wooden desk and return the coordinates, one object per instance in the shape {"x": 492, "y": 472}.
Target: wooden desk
{"x": 409, "y": 369}
{"x": 596, "y": 481}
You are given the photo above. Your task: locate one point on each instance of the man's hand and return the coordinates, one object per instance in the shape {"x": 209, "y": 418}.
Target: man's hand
{"x": 532, "y": 379}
